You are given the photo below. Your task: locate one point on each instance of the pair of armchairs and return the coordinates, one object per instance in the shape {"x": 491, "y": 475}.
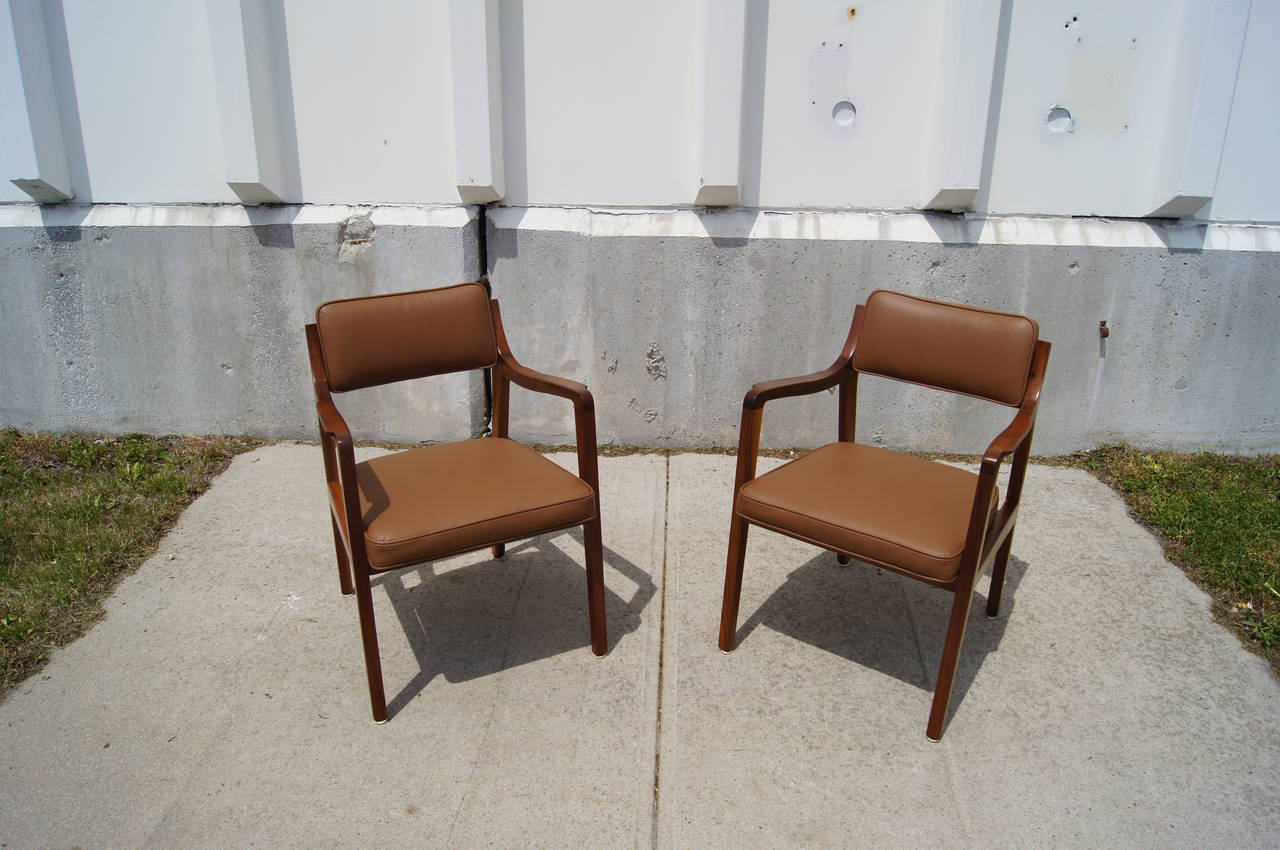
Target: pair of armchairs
{"x": 930, "y": 521}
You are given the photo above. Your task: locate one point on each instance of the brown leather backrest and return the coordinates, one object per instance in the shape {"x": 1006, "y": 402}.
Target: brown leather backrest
{"x": 383, "y": 338}
{"x": 949, "y": 346}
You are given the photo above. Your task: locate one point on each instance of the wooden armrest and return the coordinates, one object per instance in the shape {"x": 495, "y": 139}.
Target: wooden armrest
{"x": 507, "y": 368}
{"x": 1010, "y": 438}
{"x": 333, "y": 423}
{"x": 1007, "y": 442}
{"x": 541, "y": 382}
{"x": 584, "y": 410}
{"x": 803, "y": 385}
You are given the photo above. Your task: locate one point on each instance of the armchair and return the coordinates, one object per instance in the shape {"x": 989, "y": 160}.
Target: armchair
{"x": 436, "y": 501}
{"x": 930, "y": 521}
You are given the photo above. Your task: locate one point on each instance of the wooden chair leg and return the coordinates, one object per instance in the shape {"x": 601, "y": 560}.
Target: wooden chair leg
{"x": 997, "y": 576}
{"x": 842, "y": 560}
{"x": 499, "y": 550}
{"x": 950, "y": 657}
{"x": 733, "y": 582}
{"x": 369, "y": 637}
{"x": 595, "y": 586}
{"x": 344, "y": 567}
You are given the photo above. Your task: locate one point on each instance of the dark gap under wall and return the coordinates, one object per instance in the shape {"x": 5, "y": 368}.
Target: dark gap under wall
{"x": 482, "y": 262}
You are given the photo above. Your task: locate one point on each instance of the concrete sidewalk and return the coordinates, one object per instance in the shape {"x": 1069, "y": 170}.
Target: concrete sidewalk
{"x": 222, "y": 701}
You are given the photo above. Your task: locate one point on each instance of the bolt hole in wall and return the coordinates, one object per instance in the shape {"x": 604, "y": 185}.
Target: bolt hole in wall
{"x": 1058, "y": 120}
{"x": 844, "y": 113}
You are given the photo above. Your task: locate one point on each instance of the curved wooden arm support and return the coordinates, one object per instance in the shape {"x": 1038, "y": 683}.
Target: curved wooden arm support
{"x": 507, "y": 370}
{"x": 331, "y": 421}
{"x": 1011, "y": 438}
{"x": 753, "y": 403}
{"x": 338, "y": 449}
{"x": 991, "y": 532}
{"x": 1015, "y": 435}
{"x": 541, "y": 382}
{"x": 840, "y": 373}
{"x": 837, "y": 373}
{"x": 767, "y": 391}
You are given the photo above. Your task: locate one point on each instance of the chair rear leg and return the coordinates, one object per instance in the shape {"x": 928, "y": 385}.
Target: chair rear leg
{"x": 499, "y": 550}
{"x": 344, "y": 566}
{"x": 842, "y": 560}
{"x": 369, "y": 637}
{"x": 733, "y": 582}
{"x": 997, "y": 576}
{"x": 950, "y": 657}
{"x": 595, "y": 586}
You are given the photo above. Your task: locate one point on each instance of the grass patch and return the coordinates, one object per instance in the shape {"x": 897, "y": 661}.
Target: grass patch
{"x": 78, "y": 512}
{"x": 1219, "y": 519}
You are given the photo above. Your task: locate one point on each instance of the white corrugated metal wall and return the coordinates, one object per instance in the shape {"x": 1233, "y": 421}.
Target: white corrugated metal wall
{"x": 1088, "y": 108}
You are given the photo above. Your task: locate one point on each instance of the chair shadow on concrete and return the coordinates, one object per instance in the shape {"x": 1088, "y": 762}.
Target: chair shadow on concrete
{"x": 876, "y": 619}
{"x": 476, "y": 620}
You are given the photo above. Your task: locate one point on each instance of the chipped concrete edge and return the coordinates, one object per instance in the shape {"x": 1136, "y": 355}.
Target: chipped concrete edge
{"x": 850, "y": 225}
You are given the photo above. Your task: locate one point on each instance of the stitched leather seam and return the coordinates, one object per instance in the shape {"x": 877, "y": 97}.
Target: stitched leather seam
{"x": 969, "y": 307}
{"x": 493, "y": 335}
{"x": 925, "y": 577}
{"x": 1017, "y": 403}
{"x": 747, "y": 498}
{"x": 434, "y": 556}
{"x": 406, "y": 540}
{"x": 1035, "y": 328}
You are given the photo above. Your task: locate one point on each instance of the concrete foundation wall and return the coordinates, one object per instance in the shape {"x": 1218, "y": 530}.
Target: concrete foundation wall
{"x": 194, "y": 324}
{"x": 198, "y": 329}
{"x": 670, "y": 332}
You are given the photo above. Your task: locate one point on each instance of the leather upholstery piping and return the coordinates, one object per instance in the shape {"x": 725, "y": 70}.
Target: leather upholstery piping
{"x": 590, "y": 498}
{"x": 744, "y": 497}
{"x": 402, "y": 564}
{"x": 1031, "y": 356}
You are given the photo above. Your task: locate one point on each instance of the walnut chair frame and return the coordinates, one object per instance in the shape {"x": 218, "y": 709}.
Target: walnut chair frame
{"x": 355, "y": 571}
{"x": 989, "y": 534}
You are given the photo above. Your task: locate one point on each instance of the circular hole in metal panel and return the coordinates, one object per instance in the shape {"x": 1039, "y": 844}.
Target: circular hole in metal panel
{"x": 1058, "y": 120}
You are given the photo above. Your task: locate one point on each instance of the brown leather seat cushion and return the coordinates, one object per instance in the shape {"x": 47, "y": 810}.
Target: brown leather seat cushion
{"x": 438, "y": 500}
{"x": 887, "y": 507}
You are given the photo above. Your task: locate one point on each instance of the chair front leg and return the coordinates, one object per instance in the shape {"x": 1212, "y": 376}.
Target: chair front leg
{"x": 997, "y": 575}
{"x": 733, "y": 581}
{"x": 595, "y": 586}
{"x": 950, "y": 659}
{"x": 369, "y": 638}
{"x": 748, "y": 447}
